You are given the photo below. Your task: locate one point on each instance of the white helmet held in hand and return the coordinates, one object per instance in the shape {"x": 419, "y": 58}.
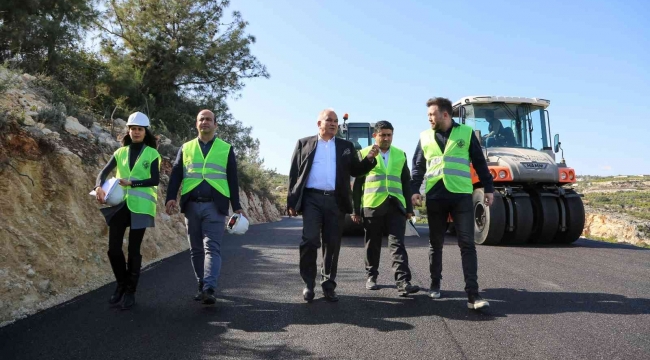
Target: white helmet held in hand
{"x": 237, "y": 224}
{"x": 115, "y": 195}
{"x": 138, "y": 119}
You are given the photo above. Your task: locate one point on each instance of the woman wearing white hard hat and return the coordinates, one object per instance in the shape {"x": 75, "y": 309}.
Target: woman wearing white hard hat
{"x": 138, "y": 170}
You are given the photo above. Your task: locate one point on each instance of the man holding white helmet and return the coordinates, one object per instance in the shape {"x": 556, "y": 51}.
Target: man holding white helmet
{"x": 138, "y": 170}
{"x": 206, "y": 172}
{"x": 237, "y": 224}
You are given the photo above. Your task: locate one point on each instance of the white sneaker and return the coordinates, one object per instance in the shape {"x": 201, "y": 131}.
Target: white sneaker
{"x": 434, "y": 294}
{"x": 476, "y": 302}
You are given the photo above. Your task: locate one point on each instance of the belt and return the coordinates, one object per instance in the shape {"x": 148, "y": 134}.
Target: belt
{"x": 322, "y": 192}
{"x": 201, "y": 199}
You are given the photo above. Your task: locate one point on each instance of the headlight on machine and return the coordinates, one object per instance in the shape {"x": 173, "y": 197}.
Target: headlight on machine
{"x": 502, "y": 174}
{"x": 563, "y": 175}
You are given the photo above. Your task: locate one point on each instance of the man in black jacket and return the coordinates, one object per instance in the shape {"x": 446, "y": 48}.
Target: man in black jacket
{"x": 207, "y": 170}
{"x": 442, "y": 161}
{"x": 383, "y": 196}
{"x": 319, "y": 189}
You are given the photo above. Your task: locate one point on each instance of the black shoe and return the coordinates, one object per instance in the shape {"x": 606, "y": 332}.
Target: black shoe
{"x": 476, "y": 302}
{"x": 308, "y": 294}
{"x": 406, "y": 289}
{"x": 371, "y": 284}
{"x": 117, "y": 295}
{"x": 129, "y": 301}
{"x": 208, "y": 297}
{"x": 330, "y": 295}
{"x": 199, "y": 294}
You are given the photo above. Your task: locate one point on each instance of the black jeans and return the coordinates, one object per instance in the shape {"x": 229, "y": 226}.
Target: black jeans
{"x": 123, "y": 271}
{"x": 322, "y": 219}
{"x": 395, "y": 223}
{"x": 461, "y": 209}
{"x": 120, "y": 221}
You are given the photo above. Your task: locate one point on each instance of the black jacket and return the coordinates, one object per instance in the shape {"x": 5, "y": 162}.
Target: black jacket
{"x": 347, "y": 165}
{"x": 222, "y": 202}
{"x": 383, "y": 209}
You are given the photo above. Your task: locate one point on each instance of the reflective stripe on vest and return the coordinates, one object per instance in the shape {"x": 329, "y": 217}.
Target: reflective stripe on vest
{"x": 384, "y": 179}
{"x": 212, "y": 168}
{"x": 452, "y": 166}
{"x": 141, "y": 200}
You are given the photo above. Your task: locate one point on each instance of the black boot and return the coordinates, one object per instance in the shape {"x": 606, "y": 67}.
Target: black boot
{"x": 199, "y": 295}
{"x": 119, "y": 270}
{"x": 133, "y": 274}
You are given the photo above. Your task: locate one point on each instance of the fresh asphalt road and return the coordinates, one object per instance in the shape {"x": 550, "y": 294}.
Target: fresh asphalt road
{"x": 590, "y": 300}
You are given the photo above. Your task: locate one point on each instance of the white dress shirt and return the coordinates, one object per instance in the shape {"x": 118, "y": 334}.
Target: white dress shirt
{"x": 322, "y": 175}
{"x": 385, "y": 156}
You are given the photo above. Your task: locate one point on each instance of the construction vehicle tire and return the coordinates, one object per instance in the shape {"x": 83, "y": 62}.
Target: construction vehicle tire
{"x": 575, "y": 219}
{"x": 489, "y": 222}
{"x": 522, "y": 216}
{"x": 546, "y": 218}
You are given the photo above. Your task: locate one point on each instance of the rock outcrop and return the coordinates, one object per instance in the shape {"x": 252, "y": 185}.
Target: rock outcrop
{"x": 616, "y": 227}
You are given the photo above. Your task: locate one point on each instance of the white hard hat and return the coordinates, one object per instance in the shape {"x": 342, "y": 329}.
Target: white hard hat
{"x": 139, "y": 119}
{"x": 115, "y": 195}
{"x": 237, "y": 224}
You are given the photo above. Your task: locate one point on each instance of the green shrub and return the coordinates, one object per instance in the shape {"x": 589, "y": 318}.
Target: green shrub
{"x": 634, "y": 203}
{"x": 8, "y": 79}
{"x": 85, "y": 118}
{"x": 55, "y": 92}
{"x": 53, "y": 116}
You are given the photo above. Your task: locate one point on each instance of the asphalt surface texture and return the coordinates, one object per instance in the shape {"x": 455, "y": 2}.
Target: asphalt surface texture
{"x": 588, "y": 300}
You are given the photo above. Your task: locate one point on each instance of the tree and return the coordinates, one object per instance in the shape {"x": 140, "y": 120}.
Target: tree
{"x": 181, "y": 46}
{"x": 36, "y": 32}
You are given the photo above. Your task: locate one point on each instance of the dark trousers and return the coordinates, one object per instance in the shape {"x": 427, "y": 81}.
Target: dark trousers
{"x": 322, "y": 226}
{"x": 462, "y": 211}
{"x": 126, "y": 273}
{"x": 395, "y": 224}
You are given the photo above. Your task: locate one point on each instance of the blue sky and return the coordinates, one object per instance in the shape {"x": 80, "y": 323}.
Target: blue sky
{"x": 381, "y": 60}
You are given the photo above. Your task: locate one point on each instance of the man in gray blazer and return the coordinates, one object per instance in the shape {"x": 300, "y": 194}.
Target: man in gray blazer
{"x": 319, "y": 189}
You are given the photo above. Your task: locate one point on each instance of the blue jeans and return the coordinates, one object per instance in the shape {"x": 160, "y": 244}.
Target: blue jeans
{"x": 205, "y": 228}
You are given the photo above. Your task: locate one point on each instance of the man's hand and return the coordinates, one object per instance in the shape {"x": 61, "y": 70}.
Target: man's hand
{"x": 242, "y": 213}
{"x": 373, "y": 152}
{"x": 291, "y": 212}
{"x": 416, "y": 199}
{"x": 489, "y": 199}
{"x": 125, "y": 182}
{"x": 409, "y": 216}
{"x": 356, "y": 219}
{"x": 170, "y": 207}
{"x": 100, "y": 195}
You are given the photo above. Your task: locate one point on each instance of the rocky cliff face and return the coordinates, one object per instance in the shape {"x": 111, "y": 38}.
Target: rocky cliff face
{"x": 616, "y": 227}
{"x": 53, "y": 239}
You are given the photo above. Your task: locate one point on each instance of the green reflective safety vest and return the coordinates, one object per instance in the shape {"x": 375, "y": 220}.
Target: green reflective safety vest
{"x": 452, "y": 165}
{"x": 141, "y": 200}
{"x": 384, "y": 179}
{"x": 211, "y": 168}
